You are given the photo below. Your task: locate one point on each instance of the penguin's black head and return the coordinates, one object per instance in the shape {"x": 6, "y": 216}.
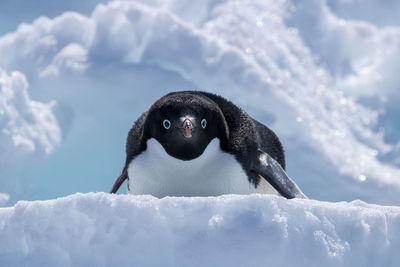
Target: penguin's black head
{"x": 184, "y": 123}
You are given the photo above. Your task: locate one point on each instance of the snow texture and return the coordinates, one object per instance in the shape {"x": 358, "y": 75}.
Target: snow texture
{"x": 28, "y": 129}
{"x": 99, "y": 229}
{"x": 28, "y": 126}
{"x": 326, "y": 84}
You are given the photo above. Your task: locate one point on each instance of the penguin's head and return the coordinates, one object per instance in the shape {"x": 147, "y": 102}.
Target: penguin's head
{"x": 185, "y": 123}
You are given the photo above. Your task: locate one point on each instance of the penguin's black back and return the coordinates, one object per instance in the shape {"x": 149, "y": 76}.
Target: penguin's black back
{"x": 246, "y": 133}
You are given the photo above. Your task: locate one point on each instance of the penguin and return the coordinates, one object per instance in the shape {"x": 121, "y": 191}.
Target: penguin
{"x": 193, "y": 143}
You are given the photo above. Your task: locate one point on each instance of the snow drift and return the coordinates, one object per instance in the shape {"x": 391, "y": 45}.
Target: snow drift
{"x": 99, "y": 229}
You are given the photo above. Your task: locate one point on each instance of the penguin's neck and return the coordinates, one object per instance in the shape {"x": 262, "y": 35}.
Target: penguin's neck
{"x": 213, "y": 173}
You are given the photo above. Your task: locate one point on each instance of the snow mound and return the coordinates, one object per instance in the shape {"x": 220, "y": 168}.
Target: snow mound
{"x": 99, "y": 229}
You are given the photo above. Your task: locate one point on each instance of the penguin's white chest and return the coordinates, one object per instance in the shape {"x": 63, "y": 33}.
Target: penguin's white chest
{"x": 214, "y": 173}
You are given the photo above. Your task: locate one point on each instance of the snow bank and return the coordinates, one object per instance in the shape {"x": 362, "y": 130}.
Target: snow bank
{"x": 99, "y": 229}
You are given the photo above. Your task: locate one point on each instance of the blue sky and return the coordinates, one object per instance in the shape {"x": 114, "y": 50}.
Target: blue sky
{"x": 15, "y": 12}
{"x": 323, "y": 76}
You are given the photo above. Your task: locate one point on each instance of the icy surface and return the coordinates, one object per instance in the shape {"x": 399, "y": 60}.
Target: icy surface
{"x": 99, "y": 229}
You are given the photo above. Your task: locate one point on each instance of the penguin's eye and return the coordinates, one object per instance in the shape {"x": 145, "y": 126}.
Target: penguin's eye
{"x": 203, "y": 123}
{"x": 166, "y": 124}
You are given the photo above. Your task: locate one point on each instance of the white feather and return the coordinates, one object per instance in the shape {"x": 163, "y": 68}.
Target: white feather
{"x": 214, "y": 173}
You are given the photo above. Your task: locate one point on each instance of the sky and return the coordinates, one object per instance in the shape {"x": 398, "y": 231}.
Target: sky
{"x": 13, "y": 13}
{"x": 322, "y": 74}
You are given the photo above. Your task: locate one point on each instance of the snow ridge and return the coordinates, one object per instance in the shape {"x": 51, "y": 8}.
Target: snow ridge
{"x": 99, "y": 229}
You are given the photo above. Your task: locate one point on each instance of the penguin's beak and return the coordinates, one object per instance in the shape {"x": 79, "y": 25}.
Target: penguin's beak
{"x": 187, "y": 128}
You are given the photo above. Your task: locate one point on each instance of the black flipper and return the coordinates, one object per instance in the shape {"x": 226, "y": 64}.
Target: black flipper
{"x": 135, "y": 144}
{"x": 272, "y": 171}
{"x": 121, "y": 178}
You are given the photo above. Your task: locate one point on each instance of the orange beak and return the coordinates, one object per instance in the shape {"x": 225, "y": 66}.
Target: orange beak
{"x": 188, "y": 127}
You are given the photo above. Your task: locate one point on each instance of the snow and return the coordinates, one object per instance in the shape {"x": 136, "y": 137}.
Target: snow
{"x": 30, "y": 126}
{"x": 100, "y": 229}
{"x": 28, "y": 129}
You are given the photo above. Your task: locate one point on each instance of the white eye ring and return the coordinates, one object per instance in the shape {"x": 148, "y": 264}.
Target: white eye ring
{"x": 203, "y": 123}
{"x": 166, "y": 124}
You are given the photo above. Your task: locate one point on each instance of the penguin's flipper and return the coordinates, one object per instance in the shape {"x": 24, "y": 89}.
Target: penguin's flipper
{"x": 272, "y": 171}
{"x": 121, "y": 178}
{"x": 135, "y": 144}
